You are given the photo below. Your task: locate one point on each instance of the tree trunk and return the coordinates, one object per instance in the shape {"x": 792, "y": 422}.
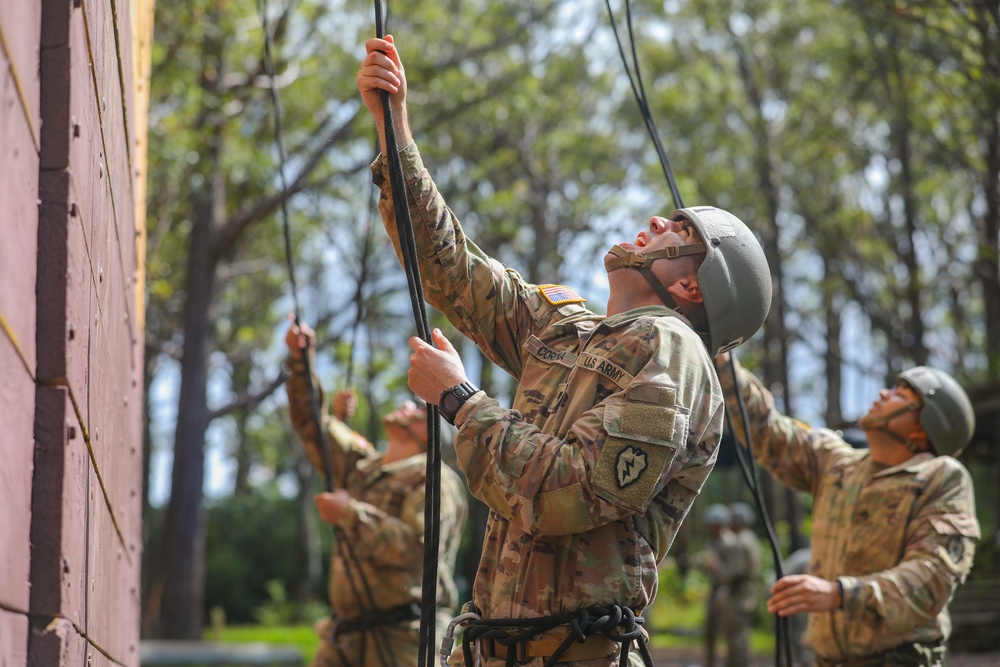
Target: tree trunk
{"x": 988, "y": 263}
{"x": 182, "y": 553}
{"x": 307, "y": 550}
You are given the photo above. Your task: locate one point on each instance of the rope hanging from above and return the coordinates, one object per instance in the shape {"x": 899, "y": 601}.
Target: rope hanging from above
{"x": 432, "y": 496}
{"x": 783, "y": 646}
{"x": 363, "y": 595}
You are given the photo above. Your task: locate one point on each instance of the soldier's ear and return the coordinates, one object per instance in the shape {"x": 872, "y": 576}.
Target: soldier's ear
{"x": 686, "y": 290}
{"x": 919, "y": 436}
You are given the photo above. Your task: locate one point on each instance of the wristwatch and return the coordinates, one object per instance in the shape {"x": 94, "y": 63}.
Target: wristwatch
{"x": 453, "y": 398}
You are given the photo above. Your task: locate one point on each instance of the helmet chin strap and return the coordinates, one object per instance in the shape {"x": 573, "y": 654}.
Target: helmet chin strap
{"x": 643, "y": 262}
{"x": 868, "y": 423}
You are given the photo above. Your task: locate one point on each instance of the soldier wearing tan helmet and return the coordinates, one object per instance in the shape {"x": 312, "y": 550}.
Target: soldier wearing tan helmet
{"x": 894, "y": 525}
{"x": 616, "y": 419}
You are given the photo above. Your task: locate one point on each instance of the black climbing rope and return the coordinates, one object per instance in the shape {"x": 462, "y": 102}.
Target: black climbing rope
{"x": 432, "y": 496}
{"x": 783, "y": 647}
{"x": 363, "y": 596}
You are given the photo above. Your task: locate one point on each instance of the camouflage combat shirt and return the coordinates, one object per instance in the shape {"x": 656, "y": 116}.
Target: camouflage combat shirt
{"x": 384, "y": 522}
{"x": 899, "y": 538}
{"x": 613, "y": 430}
{"x": 738, "y": 573}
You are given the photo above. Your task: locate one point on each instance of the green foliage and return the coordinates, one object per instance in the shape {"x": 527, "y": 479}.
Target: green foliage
{"x": 857, "y": 137}
{"x": 278, "y": 610}
{"x": 303, "y": 637}
{"x": 250, "y": 561}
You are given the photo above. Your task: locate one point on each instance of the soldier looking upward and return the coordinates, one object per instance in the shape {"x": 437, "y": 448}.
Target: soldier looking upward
{"x": 379, "y": 508}
{"x": 894, "y": 525}
{"x": 616, "y": 419}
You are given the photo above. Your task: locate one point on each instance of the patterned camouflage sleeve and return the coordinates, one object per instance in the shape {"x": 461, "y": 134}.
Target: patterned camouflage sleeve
{"x": 476, "y": 293}
{"x": 940, "y": 546}
{"x": 347, "y": 447}
{"x": 661, "y": 431}
{"x": 792, "y": 451}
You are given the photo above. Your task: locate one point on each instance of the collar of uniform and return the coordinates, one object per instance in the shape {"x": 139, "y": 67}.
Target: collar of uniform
{"x": 913, "y": 465}
{"x": 646, "y": 311}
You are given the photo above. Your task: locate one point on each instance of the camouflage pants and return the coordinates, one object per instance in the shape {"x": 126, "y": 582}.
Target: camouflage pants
{"x": 386, "y": 647}
{"x": 726, "y": 619}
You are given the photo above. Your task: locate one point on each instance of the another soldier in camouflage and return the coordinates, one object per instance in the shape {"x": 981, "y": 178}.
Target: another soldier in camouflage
{"x": 715, "y": 563}
{"x": 894, "y": 526}
{"x": 379, "y": 506}
{"x": 615, "y": 421}
{"x": 744, "y": 573}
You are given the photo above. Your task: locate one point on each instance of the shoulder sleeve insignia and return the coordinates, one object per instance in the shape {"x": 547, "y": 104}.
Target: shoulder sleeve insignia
{"x": 631, "y": 462}
{"x": 559, "y": 294}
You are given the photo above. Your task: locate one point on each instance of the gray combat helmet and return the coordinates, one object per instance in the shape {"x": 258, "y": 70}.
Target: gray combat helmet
{"x": 947, "y": 415}
{"x": 742, "y": 514}
{"x": 734, "y": 278}
{"x": 717, "y": 515}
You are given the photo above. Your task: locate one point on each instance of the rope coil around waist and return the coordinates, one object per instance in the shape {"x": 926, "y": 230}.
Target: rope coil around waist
{"x": 388, "y": 618}
{"x": 616, "y": 622}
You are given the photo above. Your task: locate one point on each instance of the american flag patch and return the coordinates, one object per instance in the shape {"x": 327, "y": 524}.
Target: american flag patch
{"x": 560, "y": 294}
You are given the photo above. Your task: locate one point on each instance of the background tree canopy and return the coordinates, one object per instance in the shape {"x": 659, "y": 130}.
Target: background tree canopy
{"x": 861, "y": 139}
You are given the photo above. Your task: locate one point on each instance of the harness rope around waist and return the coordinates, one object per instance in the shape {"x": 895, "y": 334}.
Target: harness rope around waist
{"x": 616, "y": 622}
{"x": 380, "y": 619}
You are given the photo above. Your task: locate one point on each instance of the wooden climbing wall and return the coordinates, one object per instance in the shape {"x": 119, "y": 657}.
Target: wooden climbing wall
{"x": 20, "y": 124}
{"x": 73, "y": 84}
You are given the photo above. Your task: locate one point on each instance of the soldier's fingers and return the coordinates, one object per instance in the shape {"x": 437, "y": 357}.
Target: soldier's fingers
{"x": 442, "y": 341}
{"x": 785, "y": 583}
{"x": 417, "y": 344}
{"x": 377, "y": 44}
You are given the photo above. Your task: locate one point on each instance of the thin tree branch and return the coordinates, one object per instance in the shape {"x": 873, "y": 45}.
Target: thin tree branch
{"x": 248, "y": 400}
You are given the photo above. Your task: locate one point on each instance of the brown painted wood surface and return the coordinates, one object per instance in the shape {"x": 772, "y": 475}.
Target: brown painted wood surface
{"x": 85, "y": 473}
{"x": 20, "y": 123}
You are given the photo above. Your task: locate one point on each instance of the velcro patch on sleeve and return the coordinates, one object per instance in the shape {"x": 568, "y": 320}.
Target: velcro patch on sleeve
{"x": 651, "y": 393}
{"x": 629, "y": 470}
{"x": 649, "y": 420}
{"x": 559, "y": 294}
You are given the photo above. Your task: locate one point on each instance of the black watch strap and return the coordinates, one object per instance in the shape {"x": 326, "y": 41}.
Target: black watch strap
{"x": 453, "y": 398}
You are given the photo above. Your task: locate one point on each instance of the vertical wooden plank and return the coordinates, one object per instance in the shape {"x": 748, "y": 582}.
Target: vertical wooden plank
{"x": 13, "y": 638}
{"x": 142, "y": 61}
{"x": 18, "y": 219}
{"x": 59, "y": 515}
{"x": 57, "y": 644}
{"x": 87, "y": 534}
{"x": 20, "y": 127}
{"x": 20, "y": 27}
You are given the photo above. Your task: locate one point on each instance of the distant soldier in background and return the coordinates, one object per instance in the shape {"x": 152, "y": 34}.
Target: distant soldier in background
{"x": 379, "y": 506}
{"x": 714, "y": 563}
{"x": 743, "y": 573}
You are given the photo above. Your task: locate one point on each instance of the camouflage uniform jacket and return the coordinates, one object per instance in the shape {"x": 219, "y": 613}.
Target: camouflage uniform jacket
{"x": 384, "y": 522}
{"x": 899, "y": 538}
{"x": 614, "y": 426}
{"x": 742, "y": 570}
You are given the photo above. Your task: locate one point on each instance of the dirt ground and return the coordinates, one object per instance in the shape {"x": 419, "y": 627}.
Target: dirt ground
{"x": 693, "y": 658}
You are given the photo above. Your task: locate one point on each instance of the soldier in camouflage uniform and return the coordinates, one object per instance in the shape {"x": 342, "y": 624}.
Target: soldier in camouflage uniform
{"x": 894, "y": 526}
{"x": 743, "y": 572}
{"x": 378, "y": 505}
{"x": 616, "y": 420}
{"x": 715, "y": 564}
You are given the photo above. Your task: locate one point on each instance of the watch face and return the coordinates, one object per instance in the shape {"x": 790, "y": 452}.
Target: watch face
{"x": 449, "y": 402}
